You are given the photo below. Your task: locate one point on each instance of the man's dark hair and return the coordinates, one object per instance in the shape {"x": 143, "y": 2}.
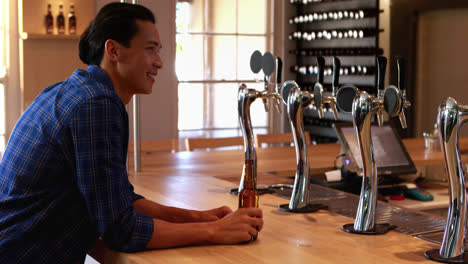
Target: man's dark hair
{"x": 116, "y": 21}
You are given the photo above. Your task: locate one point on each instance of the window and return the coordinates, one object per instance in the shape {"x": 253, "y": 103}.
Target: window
{"x": 4, "y": 52}
{"x": 215, "y": 39}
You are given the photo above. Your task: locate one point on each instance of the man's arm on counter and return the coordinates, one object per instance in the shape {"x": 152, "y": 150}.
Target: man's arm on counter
{"x": 174, "y": 227}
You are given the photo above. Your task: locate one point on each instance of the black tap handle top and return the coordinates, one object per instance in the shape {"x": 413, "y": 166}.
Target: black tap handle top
{"x": 401, "y": 73}
{"x": 279, "y": 69}
{"x": 256, "y": 61}
{"x": 336, "y": 73}
{"x": 321, "y": 69}
{"x": 268, "y": 64}
{"x": 381, "y": 67}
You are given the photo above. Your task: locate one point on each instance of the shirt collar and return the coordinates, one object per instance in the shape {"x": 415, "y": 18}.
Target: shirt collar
{"x": 100, "y": 75}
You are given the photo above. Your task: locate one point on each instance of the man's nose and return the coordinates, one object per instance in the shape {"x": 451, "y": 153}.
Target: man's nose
{"x": 158, "y": 63}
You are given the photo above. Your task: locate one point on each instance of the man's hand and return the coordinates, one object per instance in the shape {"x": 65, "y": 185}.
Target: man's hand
{"x": 213, "y": 214}
{"x": 237, "y": 227}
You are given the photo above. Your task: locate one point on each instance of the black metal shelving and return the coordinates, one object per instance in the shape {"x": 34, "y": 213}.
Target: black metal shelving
{"x": 348, "y": 29}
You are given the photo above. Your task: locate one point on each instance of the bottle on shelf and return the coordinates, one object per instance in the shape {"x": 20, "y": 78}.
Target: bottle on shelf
{"x": 355, "y": 14}
{"x": 338, "y": 51}
{"x": 72, "y": 20}
{"x": 49, "y": 20}
{"x": 61, "y": 21}
{"x": 329, "y": 34}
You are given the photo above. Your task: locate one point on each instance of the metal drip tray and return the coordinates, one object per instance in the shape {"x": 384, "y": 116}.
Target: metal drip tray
{"x": 345, "y": 204}
{"x": 436, "y": 238}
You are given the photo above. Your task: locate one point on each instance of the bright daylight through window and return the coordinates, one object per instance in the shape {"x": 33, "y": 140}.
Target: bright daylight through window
{"x": 214, "y": 44}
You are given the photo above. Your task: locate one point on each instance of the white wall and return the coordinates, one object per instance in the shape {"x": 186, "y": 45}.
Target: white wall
{"x": 159, "y": 110}
{"x": 441, "y": 64}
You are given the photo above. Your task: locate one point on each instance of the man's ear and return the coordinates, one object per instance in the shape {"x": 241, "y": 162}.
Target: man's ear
{"x": 112, "y": 50}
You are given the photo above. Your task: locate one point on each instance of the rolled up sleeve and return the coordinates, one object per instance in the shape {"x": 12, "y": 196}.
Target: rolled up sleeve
{"x": 100, "y": 132}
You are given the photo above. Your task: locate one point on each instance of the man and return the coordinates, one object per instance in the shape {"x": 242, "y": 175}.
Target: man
{"x": 63, "y": 180}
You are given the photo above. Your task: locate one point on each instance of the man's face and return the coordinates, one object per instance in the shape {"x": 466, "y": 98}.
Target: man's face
{"x": 140, "y": 62}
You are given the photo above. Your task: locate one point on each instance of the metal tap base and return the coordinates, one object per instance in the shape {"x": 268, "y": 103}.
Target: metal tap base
{"x": 309, "y": 208}
{"x": 434, "y": 255}
{"x": 379, "y": 229}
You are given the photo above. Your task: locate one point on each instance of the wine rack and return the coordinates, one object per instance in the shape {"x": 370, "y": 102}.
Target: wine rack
{"x": 348, "y": 29}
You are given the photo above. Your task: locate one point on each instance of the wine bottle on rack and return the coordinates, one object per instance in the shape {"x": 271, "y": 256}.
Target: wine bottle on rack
{"x": 61, "y": 21}
{"x": 305, "y": 2}
{"x": 335, "y": 15}
{"x": 49, "y": 20}
{"x": 335, "y": 34}
{"x": 343, "y": 51}
{"x": 72, "y": 20}
{"x": 328, "y": 70}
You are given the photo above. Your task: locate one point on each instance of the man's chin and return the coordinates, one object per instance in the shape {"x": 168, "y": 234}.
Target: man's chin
{"x": 147, "y": 91}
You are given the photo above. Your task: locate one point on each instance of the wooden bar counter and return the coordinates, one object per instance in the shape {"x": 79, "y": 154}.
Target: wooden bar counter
{"x": 195, "y": 180}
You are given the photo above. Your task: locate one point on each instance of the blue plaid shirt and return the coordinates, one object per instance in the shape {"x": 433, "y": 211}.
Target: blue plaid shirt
{"x": 63, "y": 177}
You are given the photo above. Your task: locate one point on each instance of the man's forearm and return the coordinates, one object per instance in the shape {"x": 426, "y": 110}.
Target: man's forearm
{"x": 167, "y": 235}
{"x": 165, "y": 213}
{"x": 239, "y": 226}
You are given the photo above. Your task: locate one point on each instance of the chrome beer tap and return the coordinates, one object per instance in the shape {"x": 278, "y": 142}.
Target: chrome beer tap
{"x": 296, "y": 101}
{"x": 450, "y": 118}
{"x": 393, "y": 101}
{"x": 245, "y": 97}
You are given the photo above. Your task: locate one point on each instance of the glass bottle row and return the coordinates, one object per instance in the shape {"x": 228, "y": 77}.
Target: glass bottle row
{"x": 60, "y": 20}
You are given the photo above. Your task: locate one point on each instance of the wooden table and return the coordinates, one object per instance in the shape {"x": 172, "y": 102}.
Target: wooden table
{"x": 191, "y": 180}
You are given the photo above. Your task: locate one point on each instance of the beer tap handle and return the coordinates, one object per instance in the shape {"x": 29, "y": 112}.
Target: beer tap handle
{"x": 334, "y": 109}
{"x": 318, "y": 87}
{"x": 401, "y": 74}
{"x": 264, "y": 100}
{"x": 268, "y": 65}
{"x": 321, "y": 69}
{"x": 402, "y": 118}
{"x": 402, "y": 87}
{"x": 336, "y": 75}
{"x": 279, "y": 70}
{"x": 335, "y": 84}
{"x": 380, "y": 117}
{"x": 381, "y": 67}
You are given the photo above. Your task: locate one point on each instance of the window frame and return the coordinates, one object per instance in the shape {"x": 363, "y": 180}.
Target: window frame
{"x": 208, "y": 60}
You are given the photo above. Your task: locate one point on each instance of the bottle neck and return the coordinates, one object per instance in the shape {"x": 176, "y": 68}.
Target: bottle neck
{"x": 250, "y": 177}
